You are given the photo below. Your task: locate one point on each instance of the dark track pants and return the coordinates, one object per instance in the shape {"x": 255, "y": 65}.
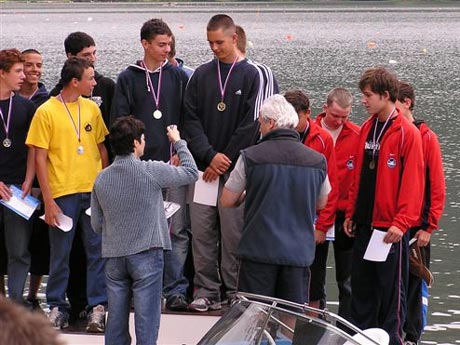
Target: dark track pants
{"x": 343, "y": 255}
{"x": 379, "y": 287}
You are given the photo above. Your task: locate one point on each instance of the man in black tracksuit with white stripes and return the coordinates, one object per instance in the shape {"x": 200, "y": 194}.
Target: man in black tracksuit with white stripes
{"x": 220, "y": 113}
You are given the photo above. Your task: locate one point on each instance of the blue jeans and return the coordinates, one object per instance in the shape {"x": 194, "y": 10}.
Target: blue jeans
{"x": 74, "y": 206}
{"x": 175, "y": 282}
{"x": 17, "y": 238}
{"x": 140, "y": 276}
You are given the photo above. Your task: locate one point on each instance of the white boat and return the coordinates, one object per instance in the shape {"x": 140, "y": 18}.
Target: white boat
{"x": 260, "y": 320}
{"x": 254, "y": 320}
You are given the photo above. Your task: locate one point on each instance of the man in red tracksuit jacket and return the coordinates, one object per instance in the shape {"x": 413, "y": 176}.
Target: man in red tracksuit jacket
{"x": 386, "y": 195}
{"x": 345, "y": 134}
{"x": 321, "y": 141}
{"x": 431, "y": 212}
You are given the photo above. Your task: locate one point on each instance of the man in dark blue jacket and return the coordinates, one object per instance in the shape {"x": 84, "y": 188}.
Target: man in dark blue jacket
{"x": 283, "y": 183}
{"x": 152, "y": 91}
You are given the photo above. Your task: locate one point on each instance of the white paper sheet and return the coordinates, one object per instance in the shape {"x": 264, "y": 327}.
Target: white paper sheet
{"x": 206, "y": 193}
{"x": 377, "y": 250}
{"x": 65, "y": 222}
{"x": 330, "y": 234}
{"x": 170, "y": 208}
{"x": 24, "y": 207}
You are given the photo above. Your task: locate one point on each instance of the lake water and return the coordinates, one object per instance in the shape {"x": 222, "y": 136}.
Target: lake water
{"x": 314, "y": 48}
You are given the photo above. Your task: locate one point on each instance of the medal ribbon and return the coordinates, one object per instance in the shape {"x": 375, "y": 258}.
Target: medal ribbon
{"x": 222, "y": 88}
{"x": 150, "y": 88}
{"x": 305, "y": 131}
{"x": 33, "y": 94}
{"x": 374, "y": 141}
{"x": 6, "y": 124}
{"x": 77, "y": 130}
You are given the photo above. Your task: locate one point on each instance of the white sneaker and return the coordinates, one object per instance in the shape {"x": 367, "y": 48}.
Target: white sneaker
{"x": 96, "y": 320}
{"x": 203, "y": 304}
{"x": 58, "y": 319}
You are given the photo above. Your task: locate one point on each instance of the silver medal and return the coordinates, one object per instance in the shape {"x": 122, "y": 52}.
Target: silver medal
{"x": 7, "y": 142}
{"x": 80, "y": 150}
{"x": 157, "y": 114}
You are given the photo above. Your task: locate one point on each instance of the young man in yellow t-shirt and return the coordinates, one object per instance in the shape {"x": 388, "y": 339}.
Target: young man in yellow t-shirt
{"x": 68, "y": 133}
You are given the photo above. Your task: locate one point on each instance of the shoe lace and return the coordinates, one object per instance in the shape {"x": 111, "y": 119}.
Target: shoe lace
{"x": 202, "y": 301}
{"x": 55, "y": 314}
{"x": 98, "y": 314}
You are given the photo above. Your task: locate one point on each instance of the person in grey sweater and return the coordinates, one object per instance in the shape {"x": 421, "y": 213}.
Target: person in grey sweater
{"x": 127, "y": 209}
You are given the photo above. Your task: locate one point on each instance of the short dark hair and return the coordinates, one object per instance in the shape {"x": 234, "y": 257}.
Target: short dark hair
{"x": 406, "y": 91}
{"x": 31, "y": 51}
{"x": 74, "y": 67}
{"x": 298, "y": 99}
{"x": 123, "y": 132}
{"x": 241, "y": 41}
{"x": 153, "y": 27}
{"x": 77, "y": 41}
{"x": 8, "y": 57}
{"x": 221, "y": 21}
{"x": 379, "y": 80}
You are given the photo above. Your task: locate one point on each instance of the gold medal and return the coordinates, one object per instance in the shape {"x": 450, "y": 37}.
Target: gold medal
{"x": 7, "y": 142}
{"x": 221, "y": 106}
{"x": 157, "y": 114}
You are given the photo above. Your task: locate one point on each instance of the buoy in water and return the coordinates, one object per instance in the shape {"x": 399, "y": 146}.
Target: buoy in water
{"x": 371, "y": 45}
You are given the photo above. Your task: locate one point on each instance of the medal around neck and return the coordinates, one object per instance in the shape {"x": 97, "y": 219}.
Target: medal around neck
{"x": 157, "y": 114}
{"x": 221, "y": 106}
{"x": 7, "y": 142}
{"x": 80, "y": 150}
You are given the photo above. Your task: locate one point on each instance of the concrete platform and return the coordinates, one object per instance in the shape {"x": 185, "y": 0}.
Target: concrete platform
{"x": 175, "y": 329}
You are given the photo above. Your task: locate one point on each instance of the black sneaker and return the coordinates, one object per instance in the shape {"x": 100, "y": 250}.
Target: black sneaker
{"x": 177, "y": 303}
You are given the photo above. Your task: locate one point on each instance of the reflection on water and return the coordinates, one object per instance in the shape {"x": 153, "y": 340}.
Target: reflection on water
{"x": 313, "y": 50}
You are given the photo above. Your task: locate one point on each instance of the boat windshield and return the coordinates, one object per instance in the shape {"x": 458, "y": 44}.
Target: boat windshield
{"x": 254, "y": 323}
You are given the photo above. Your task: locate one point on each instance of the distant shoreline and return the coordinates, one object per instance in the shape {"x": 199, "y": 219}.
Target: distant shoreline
{"x": 103, "y": 6}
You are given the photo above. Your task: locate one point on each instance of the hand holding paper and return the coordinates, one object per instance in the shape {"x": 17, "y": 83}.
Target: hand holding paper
{"x": 26, "y": 188}
{"x": 23, "y": 206}
{"x": 52, "y": 210}
{"x": 5, "y": 192}
{"x": 393, "y": 235}
{"x": 64, "y": 222}
{"x": 209, "y": 175}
